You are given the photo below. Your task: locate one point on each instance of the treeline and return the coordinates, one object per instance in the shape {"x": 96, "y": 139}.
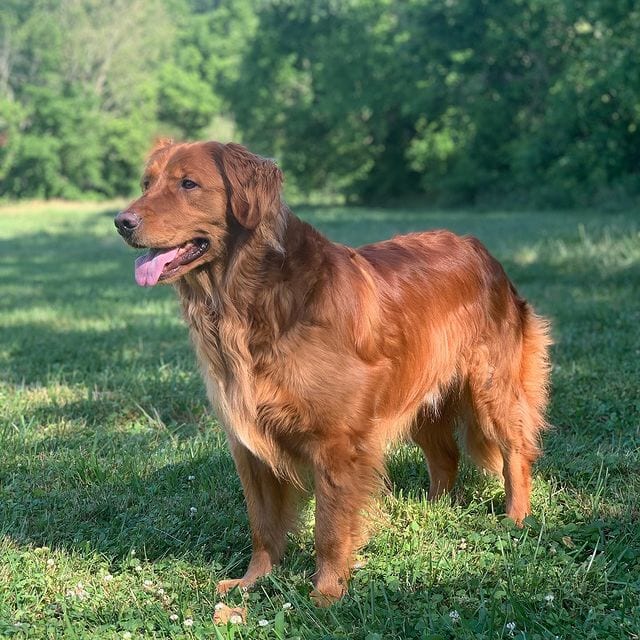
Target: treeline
{"x": 532, "y": 102}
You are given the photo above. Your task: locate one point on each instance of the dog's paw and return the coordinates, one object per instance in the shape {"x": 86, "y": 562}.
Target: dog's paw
{"x": 224, "y": 586}
{"x": 327, "y": 592}
{"x": 324, "y": 600}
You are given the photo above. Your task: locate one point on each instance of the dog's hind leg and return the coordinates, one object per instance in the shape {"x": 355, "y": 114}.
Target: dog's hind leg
{"x": 519, "y": 449}
{"x": 495, "y": 439}
{"x": 434, "y": 434}
{"x": 504, "y": 439}
{"x": 272, "y": 505}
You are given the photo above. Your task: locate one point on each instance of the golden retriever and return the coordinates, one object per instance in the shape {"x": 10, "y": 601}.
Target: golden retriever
{"x": 317, "y": 356}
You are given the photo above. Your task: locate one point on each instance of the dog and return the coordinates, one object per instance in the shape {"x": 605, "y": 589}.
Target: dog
{"x": 316, "y": 356}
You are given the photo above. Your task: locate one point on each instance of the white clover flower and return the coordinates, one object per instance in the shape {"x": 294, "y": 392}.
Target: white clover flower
{"x": 193, "y": 511}
{"x": 287, "y": 605}
{"x": 173, "y": 617}
{"x": 454, "y": 615}
{"x": 191, "y": 478}
{"x": 147, "y": 583}
{"x": 133, "y": 552}
{"x": 263, "y": 623}
{"x": 127, "y": 635}
{"x": 51, "y": 562}
{"x": 160, "y": 592}
{"x": 188, "y": 622}
{"x": 549, "y": 598}
{"x": 511, "y": 627}
{"x": 78, "y": 592}
{"x": 138, "y": 568}
{"x": 107, "y": 578}
{"x": 235, "y": 619}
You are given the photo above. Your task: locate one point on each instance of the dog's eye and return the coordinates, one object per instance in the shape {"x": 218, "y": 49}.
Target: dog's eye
{"x": 145, "y": 185}
{"x": 188, "y": 184}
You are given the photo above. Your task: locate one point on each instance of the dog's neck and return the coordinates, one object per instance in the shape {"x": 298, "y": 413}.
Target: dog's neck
{"x": 238, "y": 312}
{"x": 261, "y": 285}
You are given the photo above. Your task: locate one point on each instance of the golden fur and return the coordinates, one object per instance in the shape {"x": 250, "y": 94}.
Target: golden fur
{"x": 316, "y": 356}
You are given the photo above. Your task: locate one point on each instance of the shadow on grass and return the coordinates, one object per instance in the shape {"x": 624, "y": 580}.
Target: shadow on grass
{"x": 112, "y": 369}
{"x": 79, "y": 503}
{"x": 118, "y": 491}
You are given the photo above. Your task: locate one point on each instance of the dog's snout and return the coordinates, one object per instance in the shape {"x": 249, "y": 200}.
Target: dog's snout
{"x": 126, "y": 222}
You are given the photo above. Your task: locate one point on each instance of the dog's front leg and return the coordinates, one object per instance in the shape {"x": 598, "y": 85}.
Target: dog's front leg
{"x": 342, "y": 490}
{"x": 272, "y": 508}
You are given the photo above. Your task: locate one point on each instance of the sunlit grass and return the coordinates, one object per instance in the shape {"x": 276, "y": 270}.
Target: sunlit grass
{"x": 119, "y": 503}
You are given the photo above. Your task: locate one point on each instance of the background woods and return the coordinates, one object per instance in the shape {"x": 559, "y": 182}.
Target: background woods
{"x": 531, "y": 102}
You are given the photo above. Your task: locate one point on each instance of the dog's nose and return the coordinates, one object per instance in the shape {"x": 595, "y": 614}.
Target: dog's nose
{"x": 126, "y": 222}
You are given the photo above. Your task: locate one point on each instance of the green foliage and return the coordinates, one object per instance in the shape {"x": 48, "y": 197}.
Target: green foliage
{"x": 185, "y": 98}
{"x": 76, "y": 115}
{"x": 464, "y": 101}
{"x": 531, "y": 101}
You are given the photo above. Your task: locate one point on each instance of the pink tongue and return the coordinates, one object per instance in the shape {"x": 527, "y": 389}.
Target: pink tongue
{"x": 150, "y": 266}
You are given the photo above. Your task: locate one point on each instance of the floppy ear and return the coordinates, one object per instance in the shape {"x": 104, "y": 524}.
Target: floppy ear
{"x": 252, "y": 183}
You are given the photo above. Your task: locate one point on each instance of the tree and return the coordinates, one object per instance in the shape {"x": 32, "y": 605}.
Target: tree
{"x": 69, "y": 84}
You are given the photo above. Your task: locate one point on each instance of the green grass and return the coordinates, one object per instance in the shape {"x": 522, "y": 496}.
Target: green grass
{"x": 106, "y": 444}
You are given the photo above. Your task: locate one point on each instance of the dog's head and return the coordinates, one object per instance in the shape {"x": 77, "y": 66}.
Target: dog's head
{"x": 195, "y": 198}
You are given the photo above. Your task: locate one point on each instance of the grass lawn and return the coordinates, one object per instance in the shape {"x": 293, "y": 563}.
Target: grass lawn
{"x": 120, "y": 507}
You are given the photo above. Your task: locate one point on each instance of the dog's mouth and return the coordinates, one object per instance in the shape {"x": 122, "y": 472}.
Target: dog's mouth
{"x": 164, "y": 264}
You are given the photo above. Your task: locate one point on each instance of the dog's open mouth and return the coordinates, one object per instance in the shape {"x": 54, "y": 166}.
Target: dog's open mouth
{"x": 161, "y": 264}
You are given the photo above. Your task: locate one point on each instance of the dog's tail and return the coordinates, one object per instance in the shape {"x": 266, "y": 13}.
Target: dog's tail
{"x": 535, "y": 367}
{"x": 525, "y": 409}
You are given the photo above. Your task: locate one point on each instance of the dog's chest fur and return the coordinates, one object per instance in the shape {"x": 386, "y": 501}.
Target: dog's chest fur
{"x": 255, "y": 384}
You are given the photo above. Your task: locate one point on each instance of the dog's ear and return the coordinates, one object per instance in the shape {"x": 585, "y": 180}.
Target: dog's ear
{"x": 252, "y": 183}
